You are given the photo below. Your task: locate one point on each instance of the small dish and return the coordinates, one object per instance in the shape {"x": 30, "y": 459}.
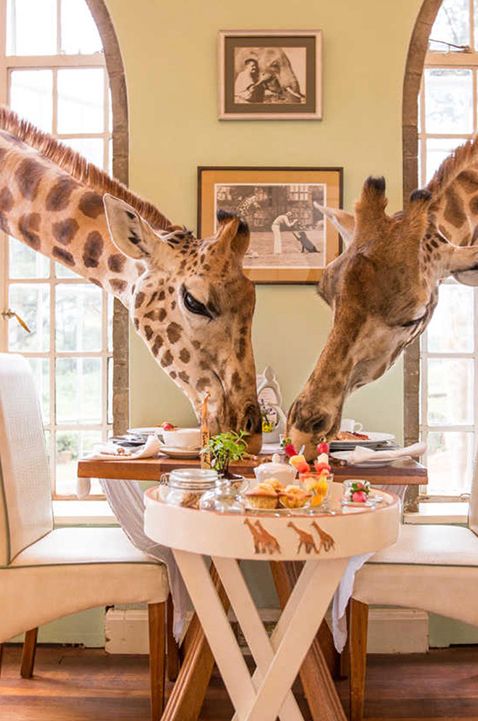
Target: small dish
{"x": 186, "y": 453}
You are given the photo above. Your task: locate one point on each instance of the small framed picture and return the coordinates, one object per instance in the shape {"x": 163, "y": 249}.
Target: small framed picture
{"x": 270, "y": 75}
{"x": 291, "y": 242}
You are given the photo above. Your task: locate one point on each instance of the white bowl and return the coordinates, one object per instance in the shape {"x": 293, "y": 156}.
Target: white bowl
{"x": 187, "y": 438}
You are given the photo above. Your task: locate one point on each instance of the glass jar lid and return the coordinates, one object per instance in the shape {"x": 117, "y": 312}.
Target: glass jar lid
{"x": 193, "y": 478}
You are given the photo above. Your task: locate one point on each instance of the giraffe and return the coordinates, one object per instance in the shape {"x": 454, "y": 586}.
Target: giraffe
{"x": 383, "y": 289}
{"x": 269, "y": 542}
{"x": 256, "y": 536}
{"x": 305, "y": 539}
{"x": 326, "y": 541}
{"x": 188, "y": 298}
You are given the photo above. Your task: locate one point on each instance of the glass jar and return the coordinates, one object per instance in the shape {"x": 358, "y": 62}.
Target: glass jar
{"x": 186, "y": 486}
{"x": 224, "y": 498}
{"x": 319, "y": 485}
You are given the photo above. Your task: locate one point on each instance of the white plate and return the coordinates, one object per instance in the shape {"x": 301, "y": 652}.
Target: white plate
{"x": 373, "y": 438}
{"x": 146, "y": 431}
{"x": 345, "y": 455}
{"x": 186, "y": 453}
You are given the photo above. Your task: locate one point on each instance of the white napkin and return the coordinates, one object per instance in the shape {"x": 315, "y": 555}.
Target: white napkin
{"x": 109, "y": 451}
{"x": 360, "y": 454}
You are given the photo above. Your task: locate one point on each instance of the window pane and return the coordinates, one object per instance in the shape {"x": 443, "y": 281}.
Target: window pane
{"x": 31, "y": 96}
{"x": 78, "y": 390}
{"x": 41, "y": 373}
{"x": 91, "y": 148}
{"x": 452, "y": 25}
{"x": 71, "y": 445}
{"x": 80, "y": 100}
{"x": 79, "y": 33}
{"x": 451, "y": 328}
{"x": 78, "y": 317}
{"x": 450, "y": 462}
{"x": 32, "y": 303}
{"x": 450, "y": 391}
{"x": 437, "y": 150}
{"x": 24, "y": 262}
{"x": 62, "y": 271}
{"x": 31, "y": 27}
{"x": 448, "y": 100}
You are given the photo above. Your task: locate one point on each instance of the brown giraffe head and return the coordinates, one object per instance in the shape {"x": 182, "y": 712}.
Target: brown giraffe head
{"x": 382, "y": 291}
{"x": 193, "y": 306}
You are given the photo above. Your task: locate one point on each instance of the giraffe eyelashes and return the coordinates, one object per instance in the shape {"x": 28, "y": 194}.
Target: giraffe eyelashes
{"x": 195, "y": 306}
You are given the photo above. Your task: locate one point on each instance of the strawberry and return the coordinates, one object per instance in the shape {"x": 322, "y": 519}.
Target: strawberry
{"x": 303, "y": 467}
{"x": 289, "y": 450}
{"x": 322, "y": 467}
{"x": 359, "y": 497}
{"x": 167, "y": 426}
{"x": 323, "y": 448}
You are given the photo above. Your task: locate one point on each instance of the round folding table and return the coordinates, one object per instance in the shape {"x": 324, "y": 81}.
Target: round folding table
{"x": 324, "y": 542}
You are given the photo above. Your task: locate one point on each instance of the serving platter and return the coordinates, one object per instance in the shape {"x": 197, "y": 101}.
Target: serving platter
{"x": 374, "y": 439}
{"x": 186, "y": 453}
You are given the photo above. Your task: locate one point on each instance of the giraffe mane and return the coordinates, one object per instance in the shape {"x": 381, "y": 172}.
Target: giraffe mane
{"x": 78, "y": 167}
{"x": 459, "y": 160}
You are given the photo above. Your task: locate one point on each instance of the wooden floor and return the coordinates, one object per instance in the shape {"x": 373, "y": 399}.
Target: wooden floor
{"x": 88, "y": 685}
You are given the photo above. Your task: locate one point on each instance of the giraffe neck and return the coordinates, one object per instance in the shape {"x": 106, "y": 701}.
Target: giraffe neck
{"x": 53, "y": 213}
{"x": 457, "y": 210}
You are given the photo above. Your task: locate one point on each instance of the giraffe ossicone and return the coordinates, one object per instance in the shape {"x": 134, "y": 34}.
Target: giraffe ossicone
{"x": 383, "y": 288}
{"x": 188, "y": 298}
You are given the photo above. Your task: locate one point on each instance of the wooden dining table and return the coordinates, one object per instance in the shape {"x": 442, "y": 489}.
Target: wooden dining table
{"x": 321, "y": 663}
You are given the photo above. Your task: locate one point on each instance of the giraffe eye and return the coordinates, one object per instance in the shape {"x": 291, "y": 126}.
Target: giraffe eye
{"x": 194, "y": 305}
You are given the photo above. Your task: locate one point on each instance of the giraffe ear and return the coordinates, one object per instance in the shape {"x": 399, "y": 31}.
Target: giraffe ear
{"x": 341, "y": 220}
{"x": 232, "y": 233}
{"x": 128, "y": 231}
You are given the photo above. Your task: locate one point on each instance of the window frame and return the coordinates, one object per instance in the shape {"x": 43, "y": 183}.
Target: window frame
{"x": 111, "y": 62}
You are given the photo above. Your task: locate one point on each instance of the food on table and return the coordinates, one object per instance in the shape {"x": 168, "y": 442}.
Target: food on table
{"x": 263, "y": 496}
{"x": 168, "y": 426}
{"x": 290, "y": 450}
{"x": 319, "y": 467}
{"x": 293, "y": 497}
{"x": 299, "y": 463}
{"x": 323, "y": 447}
{"x": 351, "y": 436}
{"x": 356, "y": 491}
{"x": 318, "y": 486}
{"x": 274, "y": 483}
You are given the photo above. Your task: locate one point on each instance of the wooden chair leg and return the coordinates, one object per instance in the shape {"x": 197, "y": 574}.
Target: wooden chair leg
{"x": 173, "y": 651}
{"x": 28, "y": 653}
{"x": 358, "y": 657}
{"x": 157, "y": 647}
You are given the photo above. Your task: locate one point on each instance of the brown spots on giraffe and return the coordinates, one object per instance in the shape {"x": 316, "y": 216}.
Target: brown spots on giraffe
{"x": 152, "y": 299}
{"x": 162, "y": 295}
{"x": 59, "y": 195}
{"x": 443, "y": 230}
{"x": 148, "y": 331}
{"x": 468, "y": 179}
{"x": 28, "y": 225}
{"x": 63, "y": 255}
{"x": 139, "y": 300}
{"x": 91, "y": 204}
{"x": 454, "y": 209}
{"x": 28, "y": 176}
{"x": 184, "y": 376}
{"x": 241, "y": 348}
{"x": 118, "y": 286}
{"x": 184, "y": 355}
{"x": 207, "y": 267}
{"x": 170, "y": 290}
{"x": 174, "y": 332}
{"x": 116, "y": 262}
{"x": 167, "y": 359}
{"x": 136, "y": 323}
{"x": 65, "y": 230}
{"x": 202, "y": 384}
{"x": 95, "y": 281}
{"x": 158, "y": 342}
{"x": 173, "y": 374}
{"x": 4, "y": 223}
{"x": 93, "y": 249}
{"x": 236, "y": 381}
{"x": 474, "y": 205}
{"x": 204, "y": 365}
{"x": 173, "y": 305}
{"x": 196, "y": 344}
{"x": 6, "y": 200}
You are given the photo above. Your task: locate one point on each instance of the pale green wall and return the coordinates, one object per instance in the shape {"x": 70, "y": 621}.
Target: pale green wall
{"x": 169, "y": 51}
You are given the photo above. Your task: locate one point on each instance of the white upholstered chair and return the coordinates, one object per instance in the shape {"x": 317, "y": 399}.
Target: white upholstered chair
{"x": 431, "y": 567}
{"x": 47, "y": 573}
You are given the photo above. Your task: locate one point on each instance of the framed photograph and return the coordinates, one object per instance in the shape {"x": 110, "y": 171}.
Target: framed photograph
{"x": 270, "y": 75}
{"x": 290, "y": 240}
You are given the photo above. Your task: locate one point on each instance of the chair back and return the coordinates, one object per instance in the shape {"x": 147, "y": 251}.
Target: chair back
{"x": 25, "y": 493}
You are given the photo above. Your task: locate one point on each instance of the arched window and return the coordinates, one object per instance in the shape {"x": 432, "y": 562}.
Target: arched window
{"x": 53, "y": 72}
{"x": 448, "y": 355}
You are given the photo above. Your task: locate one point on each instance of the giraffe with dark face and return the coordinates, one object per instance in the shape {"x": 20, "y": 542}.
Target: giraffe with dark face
{"x": 188, "y": 298}
{"x": 383, "y": 289}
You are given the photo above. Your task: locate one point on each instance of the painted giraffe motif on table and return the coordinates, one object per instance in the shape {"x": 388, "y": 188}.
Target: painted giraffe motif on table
{"x": 326, "y": 540}
{"x": 383, "y": 289}
{"x": 306, "y": 539}
{"x": 188, "y": 298}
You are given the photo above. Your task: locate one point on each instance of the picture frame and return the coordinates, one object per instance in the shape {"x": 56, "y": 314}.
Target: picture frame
{"x": 270, "y": 74}
{"x": 291, "y": 241}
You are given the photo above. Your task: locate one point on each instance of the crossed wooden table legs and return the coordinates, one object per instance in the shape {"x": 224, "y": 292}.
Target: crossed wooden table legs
{"x": 277, "y": 659}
